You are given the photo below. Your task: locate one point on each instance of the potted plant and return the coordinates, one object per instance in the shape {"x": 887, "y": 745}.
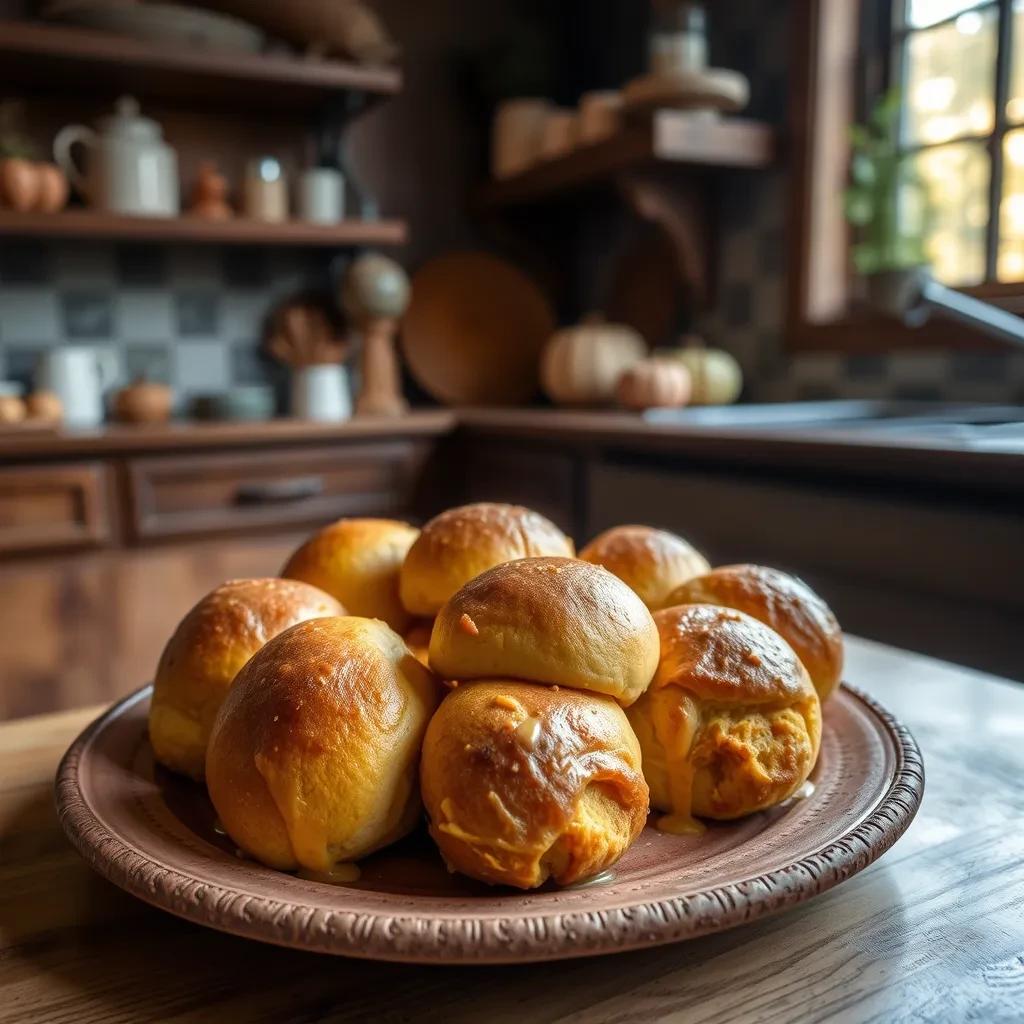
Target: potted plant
{"x": 888, "y": 204}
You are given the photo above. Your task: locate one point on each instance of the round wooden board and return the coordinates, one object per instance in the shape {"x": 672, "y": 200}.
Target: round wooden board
{"x": 154, "y": 834}
{"x": 474, "y": 330}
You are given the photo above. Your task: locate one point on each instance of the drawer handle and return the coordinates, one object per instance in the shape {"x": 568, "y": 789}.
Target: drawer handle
{"x": 279, "y": 492}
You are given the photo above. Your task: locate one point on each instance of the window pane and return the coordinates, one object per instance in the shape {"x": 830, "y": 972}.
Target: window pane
{"x": 956, "y": 177}
{"x": 1015, "y": 101}
{"x": 1010, "y": 266}
{"x": 921, "y": 13}
{"x": 950, "y": 79}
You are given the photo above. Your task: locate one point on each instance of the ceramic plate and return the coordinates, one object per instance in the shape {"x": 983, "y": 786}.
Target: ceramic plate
{"x": 155, "y": 835}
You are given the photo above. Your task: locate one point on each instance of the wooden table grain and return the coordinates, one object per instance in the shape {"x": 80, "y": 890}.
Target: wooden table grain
{"x": 934, "y": 931}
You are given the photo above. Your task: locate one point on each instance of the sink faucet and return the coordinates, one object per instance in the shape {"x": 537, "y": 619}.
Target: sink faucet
{"x": 912, "y": 295}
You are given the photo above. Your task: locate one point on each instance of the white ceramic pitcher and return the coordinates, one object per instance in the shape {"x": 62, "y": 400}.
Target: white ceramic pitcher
{"x": 80, "y": 376}
{"x": 130, "y": 168}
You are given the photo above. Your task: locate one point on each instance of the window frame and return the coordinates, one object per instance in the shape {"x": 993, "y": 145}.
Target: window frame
{"x": 827, "y": 80}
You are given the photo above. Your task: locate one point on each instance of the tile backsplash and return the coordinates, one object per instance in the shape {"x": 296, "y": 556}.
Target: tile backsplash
{"x": 191, "y": 317}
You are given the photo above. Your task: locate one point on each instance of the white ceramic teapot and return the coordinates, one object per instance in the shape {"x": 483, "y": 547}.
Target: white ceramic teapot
{"x": 130, "y": 168}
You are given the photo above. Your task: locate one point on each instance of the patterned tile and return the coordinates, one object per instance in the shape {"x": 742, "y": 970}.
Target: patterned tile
{"x": 146, "y": 314}
{"x": 245, "y": 268}
{"x": 141, "y": 265}
{"x": 29, "y": 314}
{"x": 88, "y": 313}
{"x": 249, "y": 365}
{"x": 198, "y": 313}
{"x": 201, "y": 367}
{"x": 150, "y": 361}
{"x": 83, "y": 264}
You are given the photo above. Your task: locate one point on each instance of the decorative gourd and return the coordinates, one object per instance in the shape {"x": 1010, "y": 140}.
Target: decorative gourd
{"x": 716, "y": 376}
{"x": 581, "y": 364}
{"x": 12, "y": 409}
{"x": 653, "y": 383}
{"x": 44, "y": 406}
{"x": 19, "y": 183}
{"x": 143, "y": 402}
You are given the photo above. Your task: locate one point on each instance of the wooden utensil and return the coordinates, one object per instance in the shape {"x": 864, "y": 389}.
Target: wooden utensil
{"x": 475, "y": 329}
{"x": 154, "y": 834}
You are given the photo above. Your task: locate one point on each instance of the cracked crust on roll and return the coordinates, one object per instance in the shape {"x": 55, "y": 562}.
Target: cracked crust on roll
{"x": 731, "y": 723}
{"x": 523, "y": 783}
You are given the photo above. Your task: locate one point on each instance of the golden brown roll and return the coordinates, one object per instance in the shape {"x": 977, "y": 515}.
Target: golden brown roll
{"x": 523, "y": 783}
{"x": 358, "y": 562}
{"x": 464, "y": 542}
{"x": 548, "y": 620}
{"x": 651, "y": 562}
{"x": 217, "y": 637}
{"x": 731, "y": 723}
{"x": 313, "y": 757}
{"x": 783, "y": 602}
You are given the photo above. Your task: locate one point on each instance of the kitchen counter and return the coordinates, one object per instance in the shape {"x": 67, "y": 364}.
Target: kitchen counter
{"x": 932, "y": 931}
{"x": 838, "y": 450}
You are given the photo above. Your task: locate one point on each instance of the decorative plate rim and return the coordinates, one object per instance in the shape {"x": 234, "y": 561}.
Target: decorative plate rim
{"x": 516, "y": 938}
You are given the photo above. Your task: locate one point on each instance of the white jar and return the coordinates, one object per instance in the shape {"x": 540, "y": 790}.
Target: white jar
{"x": 322, "y": 195}
{"x": 321, "y": 392}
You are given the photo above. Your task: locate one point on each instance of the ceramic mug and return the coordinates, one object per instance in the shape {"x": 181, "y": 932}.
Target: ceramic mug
{"x": 79, "y": 376}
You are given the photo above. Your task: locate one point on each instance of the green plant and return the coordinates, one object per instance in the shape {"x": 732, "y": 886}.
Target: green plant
{"x": 886, "y": 201}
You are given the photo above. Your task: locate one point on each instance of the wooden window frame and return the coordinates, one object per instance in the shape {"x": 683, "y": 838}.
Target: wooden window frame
{"x": 823, "y": 311}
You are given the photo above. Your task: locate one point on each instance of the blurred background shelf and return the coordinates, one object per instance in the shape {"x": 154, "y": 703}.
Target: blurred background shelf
{"x": 58, "y": 60}
{"x": 669, "y": 137}
{"x": 238, "y": 231}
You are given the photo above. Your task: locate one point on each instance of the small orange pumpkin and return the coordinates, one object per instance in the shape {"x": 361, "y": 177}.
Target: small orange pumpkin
{"x": 653, "y": 383}
{"x": 19, "y": 183}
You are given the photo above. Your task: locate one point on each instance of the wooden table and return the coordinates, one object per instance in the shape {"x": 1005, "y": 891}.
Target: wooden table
{"x": 932, "y": 932}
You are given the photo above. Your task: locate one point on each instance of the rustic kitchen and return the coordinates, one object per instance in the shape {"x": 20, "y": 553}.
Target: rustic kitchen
{"x": 720, "y": 300}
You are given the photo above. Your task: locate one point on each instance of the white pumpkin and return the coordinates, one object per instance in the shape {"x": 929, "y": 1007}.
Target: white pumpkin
{"x": 654, "y": 383}
{"x": 581, "y": 364}
{"x": 716, "y": 376}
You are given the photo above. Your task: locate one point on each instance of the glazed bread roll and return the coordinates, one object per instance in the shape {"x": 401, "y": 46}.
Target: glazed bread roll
{"x": 313, "y": 757}
{"x": 217, "y": 637}
{"x": 524, "y": 783}
{"x": 548, "y": 620}
{"x": 358, "y": 562}
{"x": 652, "y": 562}
{"x": 783, "y": 602}
{"x": 731, "y": 723}
{"x": 464, "y": 542}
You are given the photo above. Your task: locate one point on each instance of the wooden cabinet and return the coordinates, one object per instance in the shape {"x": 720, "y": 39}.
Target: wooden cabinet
{"x": 190, "y": 495}
{"x": 43, "y": 508}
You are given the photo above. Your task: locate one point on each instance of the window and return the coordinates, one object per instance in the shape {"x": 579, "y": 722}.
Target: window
{"x": 962, "y": 81}
{"x": 960, "y": 68}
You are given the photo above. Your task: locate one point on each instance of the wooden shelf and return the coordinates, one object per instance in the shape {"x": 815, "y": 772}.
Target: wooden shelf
{"x": 88, "y": 224}
{"x": 668, "y": 137}
{"x": 58, "y": 59}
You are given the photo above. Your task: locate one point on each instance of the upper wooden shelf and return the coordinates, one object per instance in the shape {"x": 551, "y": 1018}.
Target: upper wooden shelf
{"x": 58, "y": 59}
{"x": 238, "y": 231}
{"x": 667, "y": 137}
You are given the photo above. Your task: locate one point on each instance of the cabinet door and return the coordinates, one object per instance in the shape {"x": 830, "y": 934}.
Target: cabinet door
{"x": 90, "y": 627}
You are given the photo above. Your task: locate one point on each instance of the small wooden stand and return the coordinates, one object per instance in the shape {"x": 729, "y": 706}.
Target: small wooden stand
{"x": 380, "y": 393}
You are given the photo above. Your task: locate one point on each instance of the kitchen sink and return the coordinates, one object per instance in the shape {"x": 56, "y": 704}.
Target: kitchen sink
{"x": 990, "y": 427}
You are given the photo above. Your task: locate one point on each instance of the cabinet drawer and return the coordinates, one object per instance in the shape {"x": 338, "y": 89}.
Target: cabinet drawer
{"x": 208, "y": 494}
{"x": 53, "y": 507}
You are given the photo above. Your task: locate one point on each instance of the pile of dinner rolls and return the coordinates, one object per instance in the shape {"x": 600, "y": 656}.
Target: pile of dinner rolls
{"x": 533, "y": 701}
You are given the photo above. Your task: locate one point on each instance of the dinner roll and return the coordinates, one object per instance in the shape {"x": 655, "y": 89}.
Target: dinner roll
{"x": 731, "y": 723}
{"x": 313, "y": 757}
{"x": 358, "y": 561}
{"x": 783, "y": 602}
{"x": 548, "y": 620}
{"x": 217, "y": 637}
{"x": 463, "y": 542}
{"x": 652, "y": 562}
{"x": 523, "y": 783}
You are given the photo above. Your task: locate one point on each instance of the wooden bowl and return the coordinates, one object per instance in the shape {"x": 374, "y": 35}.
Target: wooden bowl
{"x": 474, "y": 330}
{"x": 154, "y": 834}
